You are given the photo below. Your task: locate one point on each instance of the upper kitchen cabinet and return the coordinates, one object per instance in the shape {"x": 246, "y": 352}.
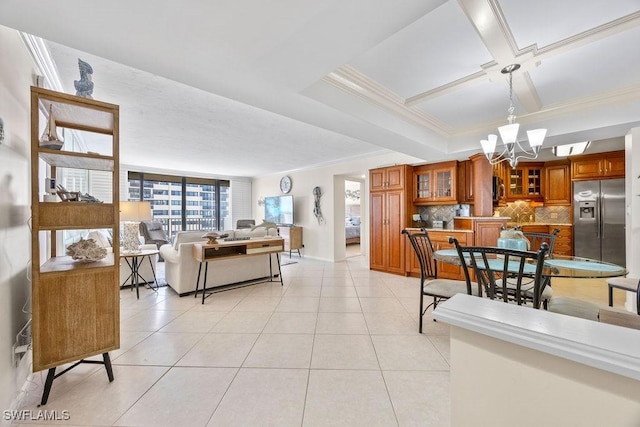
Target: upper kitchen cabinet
{"x": 525, "y": 182}
{"x": 557, "y": 183}
{"x": 435, "y": 184}
{"x": 465, "y": 182}
{"x": 598, "y": 166}
{"x": 388, "y": 178}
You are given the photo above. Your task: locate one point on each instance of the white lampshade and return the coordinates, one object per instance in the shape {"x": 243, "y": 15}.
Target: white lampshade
{"x": 135, "y": 211}
{"x": 509, "y": 133}
{"x": 536, "y": 137}
{"x": 488, "y": 147}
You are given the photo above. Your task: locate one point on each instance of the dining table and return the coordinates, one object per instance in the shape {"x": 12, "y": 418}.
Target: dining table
{"x": 556, "y": 266}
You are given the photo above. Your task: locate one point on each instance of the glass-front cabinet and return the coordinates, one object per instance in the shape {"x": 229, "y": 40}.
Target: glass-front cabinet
{"x": 435, "y": 183}
{"x": 526, "y": 182}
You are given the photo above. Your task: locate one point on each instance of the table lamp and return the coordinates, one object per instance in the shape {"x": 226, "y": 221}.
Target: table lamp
{"x": 132, "y": 213}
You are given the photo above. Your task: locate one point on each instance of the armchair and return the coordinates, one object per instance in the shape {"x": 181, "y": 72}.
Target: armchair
{"x": 153, "y": 232}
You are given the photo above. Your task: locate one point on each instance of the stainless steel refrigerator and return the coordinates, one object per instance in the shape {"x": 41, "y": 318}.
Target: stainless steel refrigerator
{"x": 598, "y": 220}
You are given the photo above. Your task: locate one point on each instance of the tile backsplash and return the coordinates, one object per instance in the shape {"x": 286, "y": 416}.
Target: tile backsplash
{"x": 444, "y": 213}
{"x": 521, "y": 211}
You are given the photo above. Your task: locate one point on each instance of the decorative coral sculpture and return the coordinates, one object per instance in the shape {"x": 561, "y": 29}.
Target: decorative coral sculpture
{"x": 86, "y": 251}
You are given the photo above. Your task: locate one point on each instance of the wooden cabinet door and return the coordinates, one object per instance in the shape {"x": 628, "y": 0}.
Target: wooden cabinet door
{"x": 422, "y": 186}
{"x": 614, "y": 166}
{"x": 377, "y": 179}
{"x": 445, "y": 185}
{"x": 564, "y": 240}
{"x": 465, "y": 182}
{"x": 395, "y": 239}
{"x": 377, "y": 229}
{"x": 586, "y": 168}
{"x": 525, "y": 182}
{"x": 486, "y": 233}
{"x": 395, "y": 177}
{"x": 557, "y": 185}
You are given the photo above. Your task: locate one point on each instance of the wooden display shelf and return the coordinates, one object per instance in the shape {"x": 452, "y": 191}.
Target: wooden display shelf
{"x": 67, "y": 265}
{"x": 73, "y": 160}
{"x": 75, "y": 215}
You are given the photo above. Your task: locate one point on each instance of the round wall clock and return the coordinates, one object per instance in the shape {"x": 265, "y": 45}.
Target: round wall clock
{"x": 285, "y": 184}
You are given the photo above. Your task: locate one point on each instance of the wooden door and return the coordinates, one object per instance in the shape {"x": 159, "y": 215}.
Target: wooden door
{"x": 377, "y": 179}
{"x": 557, "y": 185}
{"x": 614, "y": 167}
{"x": 377, "y": 229}
{"x": 395, "y": 177}
{"x": 395, "y": 239}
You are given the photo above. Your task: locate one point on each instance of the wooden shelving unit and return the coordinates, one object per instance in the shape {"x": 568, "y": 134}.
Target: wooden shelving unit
{"x": 75, "y": 306}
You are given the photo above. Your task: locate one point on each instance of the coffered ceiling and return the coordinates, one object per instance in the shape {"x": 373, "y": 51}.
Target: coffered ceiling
{"x": 253, "y": 87}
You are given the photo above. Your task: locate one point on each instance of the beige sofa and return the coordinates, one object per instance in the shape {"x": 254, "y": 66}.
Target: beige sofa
{"x": 181, "y": 269}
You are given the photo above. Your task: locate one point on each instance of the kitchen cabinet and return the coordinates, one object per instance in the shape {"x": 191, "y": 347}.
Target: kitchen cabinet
{"x": 435, "y": 184}
{"x": 389, "y": 213}
{"x": 465, "y": 182}
{"x": 557, "y": 183}
{"x": 501, "y": 170}
{"x": 440, "y": 240}
{"x": 525, "y": 182}
{"x": 75, "y": 305}
{"x": 486, "y": 230}
{"x": 598, "y": 166}
{"x": 388, "y": 178}
{"x": 564, "y": 239}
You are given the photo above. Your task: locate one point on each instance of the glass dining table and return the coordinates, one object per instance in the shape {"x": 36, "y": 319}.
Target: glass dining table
{"x": 558, "y": 266}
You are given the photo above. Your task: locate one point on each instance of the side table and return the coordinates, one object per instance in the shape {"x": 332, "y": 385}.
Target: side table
{"x": 134, "y": 259}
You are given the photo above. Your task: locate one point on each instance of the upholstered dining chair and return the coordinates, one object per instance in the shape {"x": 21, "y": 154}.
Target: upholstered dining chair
{"x": 491, "y": 266}
{"x": 624, "y": 283}
{"x": 430, "y": 284}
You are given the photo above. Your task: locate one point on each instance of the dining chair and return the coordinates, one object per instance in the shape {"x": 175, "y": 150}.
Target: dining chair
{"x": 625, "y": 283}
{"x": 492, "y": 265}
{"x": 535, "y": 241}
{"x": 430, "y": 284}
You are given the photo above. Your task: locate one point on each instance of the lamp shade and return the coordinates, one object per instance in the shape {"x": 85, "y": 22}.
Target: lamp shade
{"x": 509, "y": 133}
{"x": 135, "y": 211}
{"x": 536, "y": 137}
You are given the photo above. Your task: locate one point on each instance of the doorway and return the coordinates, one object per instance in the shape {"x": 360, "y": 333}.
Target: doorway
{"x": 352, "y": 217}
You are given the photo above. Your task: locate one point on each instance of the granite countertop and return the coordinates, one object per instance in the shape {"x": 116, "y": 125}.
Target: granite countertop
{"x": 515, "y": 224}
{"x": 441, "y": 229}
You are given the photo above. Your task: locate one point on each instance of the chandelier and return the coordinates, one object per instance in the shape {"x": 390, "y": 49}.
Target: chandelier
{"x": 509, "y": 134}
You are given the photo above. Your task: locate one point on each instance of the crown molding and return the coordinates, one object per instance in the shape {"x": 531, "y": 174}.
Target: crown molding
{"x": 353, "y": 81}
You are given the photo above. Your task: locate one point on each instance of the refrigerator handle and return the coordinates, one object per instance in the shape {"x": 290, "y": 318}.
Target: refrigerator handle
{"x": 600, "y": 215}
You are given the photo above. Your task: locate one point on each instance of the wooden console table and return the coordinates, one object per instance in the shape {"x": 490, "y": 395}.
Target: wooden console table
{"x": 205, "y": 253}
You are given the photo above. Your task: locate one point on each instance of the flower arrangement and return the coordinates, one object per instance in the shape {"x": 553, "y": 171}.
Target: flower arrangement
{"x": 86, "y": 251}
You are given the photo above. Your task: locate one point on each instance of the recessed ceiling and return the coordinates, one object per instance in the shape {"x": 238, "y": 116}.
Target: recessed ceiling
{"x": 253, "y": 88}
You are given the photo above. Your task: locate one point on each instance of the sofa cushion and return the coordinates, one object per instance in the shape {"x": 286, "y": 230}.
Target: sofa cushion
{"x": 100, "y": 237}
{"x": 187, "y": 237}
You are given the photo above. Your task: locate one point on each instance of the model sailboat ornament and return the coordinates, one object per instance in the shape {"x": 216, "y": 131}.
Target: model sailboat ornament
{"x": 49, "y": 138}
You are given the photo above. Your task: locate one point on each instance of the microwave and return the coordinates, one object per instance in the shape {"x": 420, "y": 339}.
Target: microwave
{"x": 498, "y": 189}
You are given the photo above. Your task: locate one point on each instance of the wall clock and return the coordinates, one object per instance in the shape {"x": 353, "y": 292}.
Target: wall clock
{"x": 285, "y": 184}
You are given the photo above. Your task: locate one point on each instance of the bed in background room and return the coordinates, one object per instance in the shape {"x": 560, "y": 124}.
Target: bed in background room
{"x": 352, "y": 229}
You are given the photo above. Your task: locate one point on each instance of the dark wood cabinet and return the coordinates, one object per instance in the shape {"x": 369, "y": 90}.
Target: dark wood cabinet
{"x": 389, "y": 213}
{"x": 525, "y": 182}
{"x": 435, "y": 184}
{"x": 465, "y": 182}
{"x": 557, "y": 184}
{"x": 598, "y": 166}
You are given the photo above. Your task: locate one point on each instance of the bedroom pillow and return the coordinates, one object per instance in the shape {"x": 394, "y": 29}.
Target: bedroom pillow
{"x": 355, "y": 220}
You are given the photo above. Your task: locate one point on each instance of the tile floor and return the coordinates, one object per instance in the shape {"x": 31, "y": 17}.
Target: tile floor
{"x": 336, "y": 345}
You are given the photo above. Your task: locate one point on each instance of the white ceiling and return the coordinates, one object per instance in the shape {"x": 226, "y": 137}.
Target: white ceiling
{"x": 255, "y": 87}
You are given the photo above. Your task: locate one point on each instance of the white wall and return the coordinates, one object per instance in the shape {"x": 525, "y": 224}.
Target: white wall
{"x": 326, "y": 241}
{"x": 16, "y": 70}
{"x": 632, "y": 186}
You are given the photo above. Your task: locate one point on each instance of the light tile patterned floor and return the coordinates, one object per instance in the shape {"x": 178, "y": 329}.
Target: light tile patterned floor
{"x": 336, "y": 345}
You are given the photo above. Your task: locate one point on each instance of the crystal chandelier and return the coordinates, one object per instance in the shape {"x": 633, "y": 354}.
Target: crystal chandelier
{"x": 509, "y": 134}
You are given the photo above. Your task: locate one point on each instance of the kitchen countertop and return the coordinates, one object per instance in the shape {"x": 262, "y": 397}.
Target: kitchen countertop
{"x": 515, "y": 224}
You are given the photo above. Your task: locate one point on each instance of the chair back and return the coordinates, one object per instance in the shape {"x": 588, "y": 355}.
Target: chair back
{"x": 245, "y": 223}
{"x": 423, "y": 249}
{"x": 537, "y": 239}
{"x": 504, "y": 273}
{"x": 153, "y": 232}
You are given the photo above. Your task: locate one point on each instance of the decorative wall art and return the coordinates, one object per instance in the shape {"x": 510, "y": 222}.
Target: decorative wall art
{"x": 84, "y": 86}
{"x": 317, "y": 194}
